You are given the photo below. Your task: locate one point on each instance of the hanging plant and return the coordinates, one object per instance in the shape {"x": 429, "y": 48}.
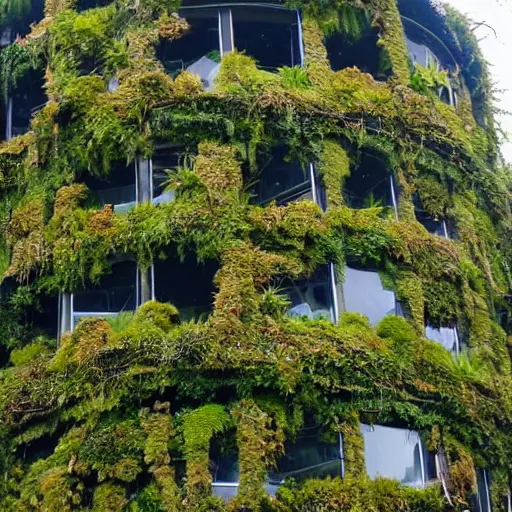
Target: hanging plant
{"x": 15, "y": 61}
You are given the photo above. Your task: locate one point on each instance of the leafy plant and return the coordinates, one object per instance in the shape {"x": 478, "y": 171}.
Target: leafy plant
{"x": 428, "y": 80}
{"x": 294, "y": 77}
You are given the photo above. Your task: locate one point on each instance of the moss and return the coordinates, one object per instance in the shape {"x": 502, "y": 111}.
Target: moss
{"x": 100, "y": 403}
{"x": 334, "y": 168}
{"x": 199, "y": 426}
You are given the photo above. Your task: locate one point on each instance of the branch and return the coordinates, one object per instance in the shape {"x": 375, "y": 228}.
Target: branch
{"x": 484, "y": 24}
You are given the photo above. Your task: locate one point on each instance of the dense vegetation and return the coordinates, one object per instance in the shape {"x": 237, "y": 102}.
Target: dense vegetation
{"x": 105, "y": 421}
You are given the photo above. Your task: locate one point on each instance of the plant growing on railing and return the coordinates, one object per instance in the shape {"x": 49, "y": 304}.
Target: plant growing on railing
{"x": 428, "y": 80}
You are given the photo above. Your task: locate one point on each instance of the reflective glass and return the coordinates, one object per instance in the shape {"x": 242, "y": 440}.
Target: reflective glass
{"x": 280, "y": 180}
{"x": 363, "y": 293}
{"x": 197, "y": 51}
{"x": 307, "y": 457}
{"x": 117, "y": 189}
{"x": 393, "y": 453}
{"x": 363, "y": 53}
{"x": 270, "y": 36}
{"x": 310, "y": 298}
{"x": 164, "y": 162}
{"x": 483, "y": 497}
{"x": 27, "y": 98}
{"x": 187, "y": 285}
{"x": 369, "y": 185}
{"x": 116, "y": 292}
{"x": 445, "y": 336}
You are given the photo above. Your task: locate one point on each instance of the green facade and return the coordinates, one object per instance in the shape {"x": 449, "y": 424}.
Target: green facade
{"x": 312, "y": 160}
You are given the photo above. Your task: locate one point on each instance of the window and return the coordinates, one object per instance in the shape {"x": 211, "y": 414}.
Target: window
{"x": 31, "y": 12}
{"x": 445, "y": 336}
{"x": 311, "y": 298}
{"x": 427, "y": 50}
{"x": 44, "y": 317}
{"x": 25, "y": 100}
{"x": 307, "y": 457}
{"x": 83, "y": 5}
{"x": 482, "y": 501}
{"x": 433, "y": 225}
{"x": 163, "y": 162}
{"x": 117, "y": 189}
{"x": 370, "y": 184}
{"x": 198, "y": 51}
{"x": 116, "y": 292}
{"x": 224, "y": 467}
{"x": 397, "y": 453}
{"x": 364, "y": 53}
{"x": 282, "y": 181}
{"x": 187, "y": 285}
{"x": 363, "y": 293}
{"x": 271, "y": 36}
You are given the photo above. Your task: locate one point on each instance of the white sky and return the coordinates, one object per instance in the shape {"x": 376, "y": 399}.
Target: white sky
{"x": 497, "y": 50}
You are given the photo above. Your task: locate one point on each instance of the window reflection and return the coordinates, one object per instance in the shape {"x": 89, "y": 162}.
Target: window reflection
{"x": 363, "y": 293}
{"x": 281, "y": 180}
{"x": 482, "y": 501}
{"x": 370, "y": 184}
{"x": 116, "y": 292}
{"x": 396, "y": 453}
{"x": 269, "y": 35}
{"x": 307, "y": 457}
{"x": 164, "y": 162}
{"x": 197, "y": 51}
{"x": 117, "y": 189}
{"x": 445, "y": 336}
{"x": 187, "y": 285}
{"x": 310, "y": 298}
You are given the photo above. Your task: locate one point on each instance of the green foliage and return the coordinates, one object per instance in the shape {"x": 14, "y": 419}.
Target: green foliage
{"x": 428, "y": 80}
{"x": 295, "y": 77}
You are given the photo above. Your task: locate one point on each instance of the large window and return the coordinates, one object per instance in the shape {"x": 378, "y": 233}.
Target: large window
{"x": 271, "y": 36}
{"x": 370, "y": 184}
{"x": 363, "y": 293}
{"x": 311, "y": 298}
{"x": 307, "y": 456}
{"x": 117, "y": 189}
{"x": 115, "y": 293}
{"x": 397, "y": 453}
{"x": 187, "y": 285}
{"x": 364, "y": 53}
{"x": 198, "y": 51}
{"x": 283, "y": 180}
{"x": 429, "y": 51}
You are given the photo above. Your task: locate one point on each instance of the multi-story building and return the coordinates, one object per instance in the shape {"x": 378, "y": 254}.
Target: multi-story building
{"x": 255, "y": 256}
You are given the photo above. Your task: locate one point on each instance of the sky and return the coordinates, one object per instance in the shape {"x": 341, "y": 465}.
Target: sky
{"x": 497, "y": 50}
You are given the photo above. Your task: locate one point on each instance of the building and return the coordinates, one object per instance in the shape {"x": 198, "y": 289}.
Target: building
{"x": 255, "y": 257}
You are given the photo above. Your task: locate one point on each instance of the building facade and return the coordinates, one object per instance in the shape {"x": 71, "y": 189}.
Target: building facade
{"x": 255, "y": 256}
